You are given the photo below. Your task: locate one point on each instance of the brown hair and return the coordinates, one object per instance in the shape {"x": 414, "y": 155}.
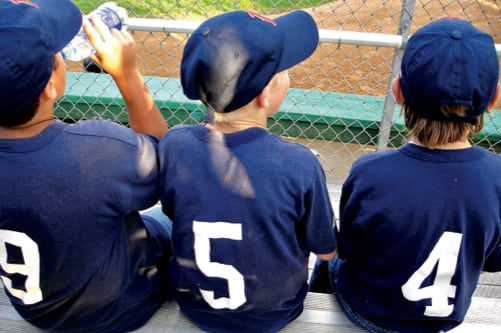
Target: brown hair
{"x": 432, "y": 133}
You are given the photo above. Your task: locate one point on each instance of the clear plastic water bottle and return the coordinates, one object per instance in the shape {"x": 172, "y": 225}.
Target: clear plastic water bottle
{"x": 80, "y": 48}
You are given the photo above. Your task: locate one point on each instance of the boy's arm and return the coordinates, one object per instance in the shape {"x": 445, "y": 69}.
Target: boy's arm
{"x": 326, "y": 256}
{"x": 116, "y": 54}
{"x": 493, "y": 261}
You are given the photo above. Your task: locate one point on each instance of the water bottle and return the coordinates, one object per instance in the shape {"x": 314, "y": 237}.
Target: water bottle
{"x": 80, "y": 48}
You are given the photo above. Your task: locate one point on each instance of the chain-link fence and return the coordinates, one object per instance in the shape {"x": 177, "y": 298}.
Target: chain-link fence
{"x": 340, "y": 103}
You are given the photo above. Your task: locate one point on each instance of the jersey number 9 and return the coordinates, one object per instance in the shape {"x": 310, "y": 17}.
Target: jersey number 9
{"x": 30, "y": 267}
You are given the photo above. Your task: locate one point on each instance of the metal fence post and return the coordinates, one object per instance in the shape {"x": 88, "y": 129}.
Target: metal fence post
{"x": 389, "y": 102}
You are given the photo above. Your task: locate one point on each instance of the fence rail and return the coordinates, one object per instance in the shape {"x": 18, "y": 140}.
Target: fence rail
{"x": 338, "y": 37}
{"x": 361, "y": 43}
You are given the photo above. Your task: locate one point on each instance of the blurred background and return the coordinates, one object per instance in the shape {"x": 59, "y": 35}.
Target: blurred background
{"x": 340, "y": 104}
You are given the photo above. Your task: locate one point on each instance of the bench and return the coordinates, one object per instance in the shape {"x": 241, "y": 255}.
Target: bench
{"x": 321, "y": 314}
{"x": 311, "y": 114}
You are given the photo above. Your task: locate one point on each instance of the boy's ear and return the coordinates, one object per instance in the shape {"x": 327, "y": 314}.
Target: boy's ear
{"x": 495, "y": 99}
{"x": 49, "y": 92}
{"x": 262, "y": 99}
{"x": 396, "y": 88}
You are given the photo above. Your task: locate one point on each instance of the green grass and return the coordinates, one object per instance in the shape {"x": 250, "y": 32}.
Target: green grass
{"x": 198, "y": 9}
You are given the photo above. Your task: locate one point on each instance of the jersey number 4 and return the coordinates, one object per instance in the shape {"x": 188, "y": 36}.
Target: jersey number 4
{"x": 445, "y": 254}
{"x": 204, "y": 232}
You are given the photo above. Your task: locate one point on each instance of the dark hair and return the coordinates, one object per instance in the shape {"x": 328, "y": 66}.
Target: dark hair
{"x": 12, "y": 118}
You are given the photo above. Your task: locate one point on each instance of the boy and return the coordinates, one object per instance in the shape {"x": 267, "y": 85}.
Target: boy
{"x": 419, "y": 224}
{"x": 75, "y": 254}
{"x": 248, "y": 206}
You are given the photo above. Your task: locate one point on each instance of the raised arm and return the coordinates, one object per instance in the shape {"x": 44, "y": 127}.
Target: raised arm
{"x": 116, "y": 54}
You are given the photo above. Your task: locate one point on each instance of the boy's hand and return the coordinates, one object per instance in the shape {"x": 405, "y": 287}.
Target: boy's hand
{"x": 115, "y": 49}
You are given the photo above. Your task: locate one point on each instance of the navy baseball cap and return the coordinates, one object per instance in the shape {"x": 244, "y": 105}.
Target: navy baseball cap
{"x": 230, "y": 58}
{"x": 31, "y": 33}
{"x": 446, "y": 62}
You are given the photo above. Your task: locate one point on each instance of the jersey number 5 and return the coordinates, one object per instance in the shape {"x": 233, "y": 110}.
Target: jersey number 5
{"x": 445, "y": 253}
{"x": 204, "y": 232}
{"x": 30, "y": 268}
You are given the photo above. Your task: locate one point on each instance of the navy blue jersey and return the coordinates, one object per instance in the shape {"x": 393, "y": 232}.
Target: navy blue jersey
{"x": 73, "y": 254}
{"x": 247, "y": 209}
{"x": 417, "y": 228}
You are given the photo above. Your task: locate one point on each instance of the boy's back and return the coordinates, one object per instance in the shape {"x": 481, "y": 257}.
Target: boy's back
{"x": 77, "y": 253}
{"x": 448, "y": 220}
{"x": 80, "y": 212}
{"x": 247, "y": 206}
{"x": 419, "y": 224}
{"x": 239, "y": 211}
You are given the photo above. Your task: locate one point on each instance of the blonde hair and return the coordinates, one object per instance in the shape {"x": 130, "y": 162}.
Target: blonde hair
{"x": 432, "y": 133}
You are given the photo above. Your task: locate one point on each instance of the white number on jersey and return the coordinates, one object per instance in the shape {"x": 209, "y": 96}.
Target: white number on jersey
{"x": 204, "y": 232}
{"x": 30, "y": 268}
{"x": 445, "y": 253}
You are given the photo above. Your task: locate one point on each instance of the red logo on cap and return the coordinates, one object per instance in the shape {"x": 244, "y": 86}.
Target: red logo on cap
{"x": 26, "y": 2}
{"x": 261, "y": 17}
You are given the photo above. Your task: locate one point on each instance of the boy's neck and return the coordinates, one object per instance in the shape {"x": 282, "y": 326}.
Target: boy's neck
{"x": 232, "y": 127}
{"x": 42, "y": 119}
{"x": 447, "y": 146}
{"x": 27, "y": 130}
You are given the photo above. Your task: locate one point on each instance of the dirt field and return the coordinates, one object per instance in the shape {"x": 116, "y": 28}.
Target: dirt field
{"x": 344, "y": 68}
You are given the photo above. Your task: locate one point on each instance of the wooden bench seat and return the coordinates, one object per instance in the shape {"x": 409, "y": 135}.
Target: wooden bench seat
{"x": 321, "y": 314}
{"x": 312, "y": 114}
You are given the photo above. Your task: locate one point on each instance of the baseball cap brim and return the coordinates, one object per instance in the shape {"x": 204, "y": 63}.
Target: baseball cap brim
{"x": 301, "y": 38}
{"x": 65, "y": 19}
{"x": 31, "y": 33}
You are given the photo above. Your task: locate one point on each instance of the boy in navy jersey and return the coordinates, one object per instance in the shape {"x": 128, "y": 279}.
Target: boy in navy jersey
{"x": 419, "y": 224}
{"x": 247, "y": 206}
{"x": 75, "y": 254}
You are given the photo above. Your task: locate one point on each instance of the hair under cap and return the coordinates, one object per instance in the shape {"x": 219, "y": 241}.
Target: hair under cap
{"x": 31, "y": 33}
{"x": 446, "y": 62}
{"x": 230, "y": 58}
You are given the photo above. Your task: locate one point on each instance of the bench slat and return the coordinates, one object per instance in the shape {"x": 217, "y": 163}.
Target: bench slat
{"x": 321, "y": 314}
